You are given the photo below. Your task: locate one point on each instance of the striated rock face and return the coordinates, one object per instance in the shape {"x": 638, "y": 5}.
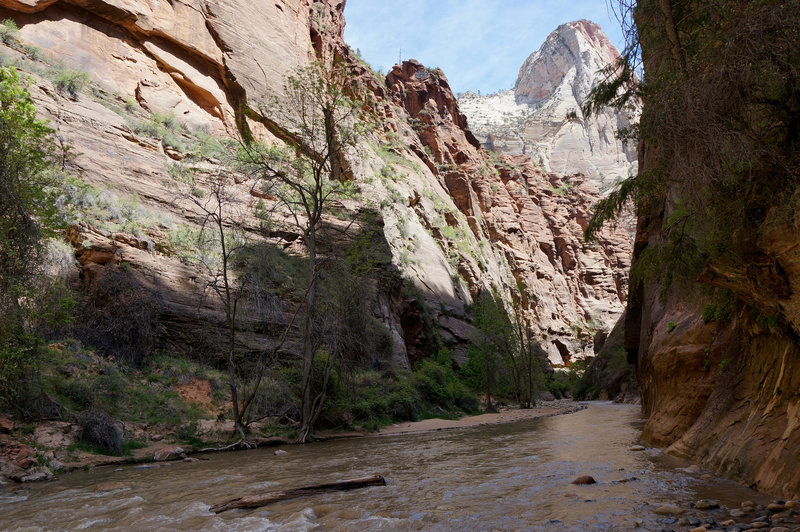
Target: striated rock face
{"x": 453, "y": 219}
{"x": 536, "y": 118}
{"x": 718, "y": 393}
{"x": 534, "y": 221}
{"x": 717, "y": 355}
{"x": 201, "y": 60}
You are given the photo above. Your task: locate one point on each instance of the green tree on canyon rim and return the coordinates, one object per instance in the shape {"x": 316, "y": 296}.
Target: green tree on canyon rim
{"x": 317, "y": 121}
{"x": 27, "y": 215}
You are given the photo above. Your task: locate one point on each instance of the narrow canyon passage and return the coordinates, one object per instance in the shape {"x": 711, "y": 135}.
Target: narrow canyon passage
{"x": 508, "y": 477}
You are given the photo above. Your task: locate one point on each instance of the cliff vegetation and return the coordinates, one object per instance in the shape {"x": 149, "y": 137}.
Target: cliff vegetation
{"x": 712, "y": 319}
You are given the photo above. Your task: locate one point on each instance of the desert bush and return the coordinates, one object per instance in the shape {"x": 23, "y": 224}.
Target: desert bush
{"x": 68, "y": 81}
{"x": 119, "y": 316}
{"x": 98, "y": 429}
{"x": 9, "y": 32}
{"x": 440, "y": 386}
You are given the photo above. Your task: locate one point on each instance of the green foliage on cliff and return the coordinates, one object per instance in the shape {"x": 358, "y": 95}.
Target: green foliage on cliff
{"x": 9, "y": 32}
{"x": 27, "y": 216}
{"x": 719, "y": 127}
{"x": 69, "y": 81}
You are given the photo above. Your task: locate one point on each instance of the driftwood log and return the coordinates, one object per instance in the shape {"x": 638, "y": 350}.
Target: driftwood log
{"x": 256, "y": 501}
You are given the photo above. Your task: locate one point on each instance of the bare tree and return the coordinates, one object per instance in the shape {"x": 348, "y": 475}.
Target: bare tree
{"x": 221, "y": 242}
{"x": 317, "y": 121}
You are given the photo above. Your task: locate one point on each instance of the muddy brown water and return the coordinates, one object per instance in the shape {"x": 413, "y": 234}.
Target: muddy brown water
{"x": 498, "y": 477}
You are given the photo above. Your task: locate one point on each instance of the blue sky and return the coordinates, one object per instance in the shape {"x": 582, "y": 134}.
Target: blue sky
{"x": 480, "y": 44}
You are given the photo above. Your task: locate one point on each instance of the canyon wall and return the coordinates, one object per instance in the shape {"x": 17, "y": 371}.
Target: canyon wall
{"x": 454, "y": 219}
{"x": 714, "y": 327}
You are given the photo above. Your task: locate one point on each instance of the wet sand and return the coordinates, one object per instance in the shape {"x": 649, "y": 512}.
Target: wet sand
{"x": 505, "y": 415}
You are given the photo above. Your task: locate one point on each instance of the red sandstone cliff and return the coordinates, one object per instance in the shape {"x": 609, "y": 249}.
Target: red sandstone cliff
{"x": 455, "y": 219}
{"x": 717, "y": 352}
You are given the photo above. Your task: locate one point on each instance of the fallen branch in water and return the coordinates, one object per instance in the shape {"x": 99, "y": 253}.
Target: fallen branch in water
{"x": 241, "y": 443}
{"x": 256, "y": 501}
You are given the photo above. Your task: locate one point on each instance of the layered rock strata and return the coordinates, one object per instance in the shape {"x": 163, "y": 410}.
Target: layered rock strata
{"x": 454, "y": 220}
{"x": 717, "y": 354}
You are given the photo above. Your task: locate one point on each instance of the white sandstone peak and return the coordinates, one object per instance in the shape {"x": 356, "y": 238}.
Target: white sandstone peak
{"x": 541, "y": 116}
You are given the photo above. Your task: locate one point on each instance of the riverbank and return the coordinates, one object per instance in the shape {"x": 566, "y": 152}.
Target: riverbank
{"x": 49, "y": 449}
{"x": 444, "y": 481}
{"x": 505, "y": 415}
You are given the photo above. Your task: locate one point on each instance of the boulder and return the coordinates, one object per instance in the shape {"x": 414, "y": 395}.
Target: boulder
{"x": 706, "y": 504}
{"x": 545, "y": 396}
{"x": 777, "y": 506}
{"x": 172, "y": 452}
{"x": 12, "y": 471}
{"x": 21, "y": 455}
{"x": 37, "y": 475}
{"x": 6, "y": 425}
{"x": 54, "y": 434}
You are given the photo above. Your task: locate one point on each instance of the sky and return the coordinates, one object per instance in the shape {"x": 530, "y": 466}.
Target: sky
{"x": 479, "y": 44}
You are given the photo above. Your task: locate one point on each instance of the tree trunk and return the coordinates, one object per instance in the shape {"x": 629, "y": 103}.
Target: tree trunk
{"x": 672, "y": 35}
{"x": 256, "y": 501}
{"x": 306, "y": 407}
{"x": 230, "y": 314}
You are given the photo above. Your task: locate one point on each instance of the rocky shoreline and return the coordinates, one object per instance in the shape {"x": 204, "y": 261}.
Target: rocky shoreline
{"x": 708, "y": 515}
{"x": 42, "y": 452}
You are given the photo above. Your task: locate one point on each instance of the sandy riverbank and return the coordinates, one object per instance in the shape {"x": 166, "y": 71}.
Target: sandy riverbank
{"x": 506, "y": 415}
{"x": 81, "y": 460}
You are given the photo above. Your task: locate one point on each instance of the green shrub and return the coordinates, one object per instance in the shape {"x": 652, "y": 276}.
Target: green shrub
{"x": 205, "y": 146}
{"x": 101, "y": 431}
{"x": 187, "y": 433}
{"x": 20, "y": 362}
{"x": 715, "y": 312}
{"x": 34, "y": 53}
{"x": 130, "y": 104}
{"x": 440, "y": 386}
{"x": 164, "y": 126}
{"x": 9, "y": 32}
{"x": 558, "y": 385}
{"x": 69, "y": 82}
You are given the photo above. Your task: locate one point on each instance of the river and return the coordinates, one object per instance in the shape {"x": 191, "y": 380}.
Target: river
{"x": 498, "y": 477}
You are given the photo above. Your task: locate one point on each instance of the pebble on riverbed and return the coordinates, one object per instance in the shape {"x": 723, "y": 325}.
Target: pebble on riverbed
{"x": 668, "y": 509}
{"x": 706, "y": 504}
{"x": 778, "y": 516}
{"x": 585, "y": 479}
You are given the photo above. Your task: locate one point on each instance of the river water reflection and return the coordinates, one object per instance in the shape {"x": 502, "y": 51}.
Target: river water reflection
{"x": 498, "y": 477}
